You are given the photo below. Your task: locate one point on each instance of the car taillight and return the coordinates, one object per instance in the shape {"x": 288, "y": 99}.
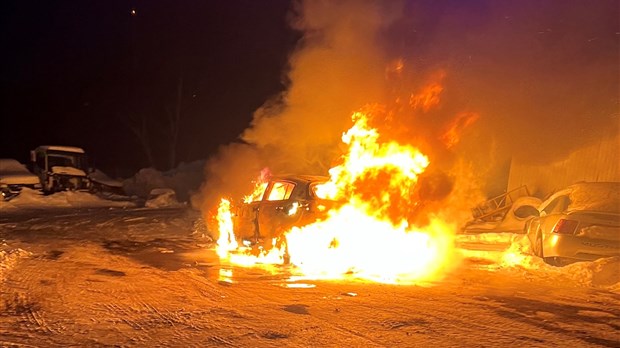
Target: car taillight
{"x": 564, "y": 226}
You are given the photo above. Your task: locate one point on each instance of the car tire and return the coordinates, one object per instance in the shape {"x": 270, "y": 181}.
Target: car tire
{"x": 555, "y": 261}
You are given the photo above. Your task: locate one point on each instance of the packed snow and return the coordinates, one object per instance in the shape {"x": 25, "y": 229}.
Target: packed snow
{"x": 35, "y": 199}
{"x": 79, "y": 269}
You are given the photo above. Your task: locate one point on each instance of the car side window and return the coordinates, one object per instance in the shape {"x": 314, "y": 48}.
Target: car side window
{"x": 559, "y": 204}
{"x": 40, "y": 160}
{"x": 563, "y": 203}
{"x": 313, "y": 189}
{"x": 280, "y": 191}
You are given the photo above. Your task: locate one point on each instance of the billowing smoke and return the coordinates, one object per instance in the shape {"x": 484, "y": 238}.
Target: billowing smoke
{"x": 337, "y": 67}
{"x": 527, "y": 79}
{"x": 543, "y": 75}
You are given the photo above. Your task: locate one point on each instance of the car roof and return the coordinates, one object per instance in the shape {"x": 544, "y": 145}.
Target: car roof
{"x": 60, "y": 148}
{"x": 301, "y": 178}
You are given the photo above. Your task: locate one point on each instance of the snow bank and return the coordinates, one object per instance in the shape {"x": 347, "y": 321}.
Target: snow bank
{"x": 162, "y": 198}
{"x": 603, "y": 273}
{"x": 13, "y": 172}
{"x": 184, "y": 180}
{"x": 103, "y": 178}
{"x": 29, "y": 198}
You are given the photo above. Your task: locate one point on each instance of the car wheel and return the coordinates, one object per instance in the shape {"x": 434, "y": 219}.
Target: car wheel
{"x": 555, "y": 261}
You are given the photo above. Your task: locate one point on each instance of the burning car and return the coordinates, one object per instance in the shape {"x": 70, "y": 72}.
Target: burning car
{"x": 280, "y": 204}
{"x": 578, "y": 223}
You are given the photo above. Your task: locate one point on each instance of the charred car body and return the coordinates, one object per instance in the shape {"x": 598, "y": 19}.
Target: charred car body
{"x": 61, "y": 168}
{"x": 578, "y": 223}
{"x": 287, "y": 201}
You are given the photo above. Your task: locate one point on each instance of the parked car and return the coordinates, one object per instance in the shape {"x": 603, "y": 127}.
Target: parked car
{"x": 13, "y": 177}
{"x": 513, "y": 221}
{"x": 578, "y": 223}
{"x": 60, "y": 168}
{"x": 287, "y": 201}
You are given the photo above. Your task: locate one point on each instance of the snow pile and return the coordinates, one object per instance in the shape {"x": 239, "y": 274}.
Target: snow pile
{"x": 184, "y": 180}
{"x": 14, "y": 173}
{"x": 162, "y": 198}
{"x": 29, "y": 198}
{"x": 102, "y": 178}
{"x": 603, "y": 273}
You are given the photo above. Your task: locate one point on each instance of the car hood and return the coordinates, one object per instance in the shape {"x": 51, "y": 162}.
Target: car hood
{"x": 68, "y": 171}
{"x": 19, "y": 179}
{"x": 14, "y": 173}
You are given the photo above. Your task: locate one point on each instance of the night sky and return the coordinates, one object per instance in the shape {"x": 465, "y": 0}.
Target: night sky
{"x": 284, "y": 76}
{"x": 80, "y": 73}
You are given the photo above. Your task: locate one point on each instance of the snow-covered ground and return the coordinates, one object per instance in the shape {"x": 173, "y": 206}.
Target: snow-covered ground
{"x": 81, "y": 270}
{"x": 35, "y": 199}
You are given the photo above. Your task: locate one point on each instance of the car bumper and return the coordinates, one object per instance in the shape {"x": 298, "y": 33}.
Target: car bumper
{"x": 579, "y": 248}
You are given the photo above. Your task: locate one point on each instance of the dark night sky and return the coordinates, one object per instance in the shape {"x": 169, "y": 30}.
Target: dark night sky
{"x": 77, "y": 72}
{"x": 73, "y": 72}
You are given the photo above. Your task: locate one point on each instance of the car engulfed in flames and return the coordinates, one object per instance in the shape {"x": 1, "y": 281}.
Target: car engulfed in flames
{"x": 358, "y": 222}
{"x": 283, "y": 202}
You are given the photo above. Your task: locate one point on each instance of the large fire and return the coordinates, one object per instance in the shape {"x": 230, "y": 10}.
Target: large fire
{"x": 371, "y": 236}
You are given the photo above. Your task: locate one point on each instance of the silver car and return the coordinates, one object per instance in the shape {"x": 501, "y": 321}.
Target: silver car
{"x": 578, "y": 223}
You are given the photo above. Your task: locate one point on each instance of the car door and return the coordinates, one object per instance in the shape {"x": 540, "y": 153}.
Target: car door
{"x": 548, "y": 206}
{"x": 273, "y": 217}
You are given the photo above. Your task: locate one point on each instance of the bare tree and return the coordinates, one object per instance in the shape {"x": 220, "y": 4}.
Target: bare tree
{"x": 174, "y": 124}
{"x": 139, "y": 127}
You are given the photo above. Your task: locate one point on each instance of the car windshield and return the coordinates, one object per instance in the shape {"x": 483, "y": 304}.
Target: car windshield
{"x": 66, "y": 159}
{"x": 596, "y": 196}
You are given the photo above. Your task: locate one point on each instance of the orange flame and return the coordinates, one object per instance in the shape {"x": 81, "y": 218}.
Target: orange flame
{"x": 453, "y": 132}
{"x": 429, "y": 96}
{"x": 226, "y": 241}
{"x": 259, "y": 187}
